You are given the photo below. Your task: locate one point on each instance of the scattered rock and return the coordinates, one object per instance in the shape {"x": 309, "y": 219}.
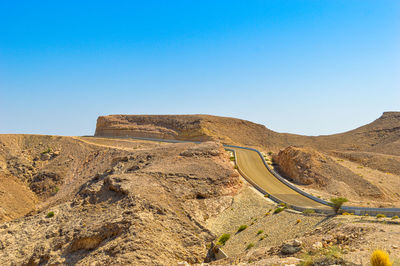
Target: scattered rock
{"x": 288, "y": 249}
{"x": 316, "y": 246}
{"x": 45, "y": 156}
{"x": 297, "y": 243}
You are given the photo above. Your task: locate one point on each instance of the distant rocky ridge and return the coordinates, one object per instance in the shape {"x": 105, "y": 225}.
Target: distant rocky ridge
{"x": 381, "y": 136}
{"x": 191, "y": 127}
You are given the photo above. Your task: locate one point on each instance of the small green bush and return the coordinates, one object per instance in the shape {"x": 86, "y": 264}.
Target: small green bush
{"x": 260, "y": 232}
{"x": 333, "y": 252}
{"x": 222, "y": 240}
{"x": 307, "y": 260}
{"x": 46, "y": 151}
{"x": 309, "y": 211}
{"x": 270, "y": 153}
{"x": 395, "y": 217}
{"x": 50, "y": 214}
{"x": 249, "y": 246}
{"x": 236, "y": 167}
{"x": 380, "y": 215}
{"x": 242, "y": 227}
{"x": 278, "y": 210}
{"x": 337, "y": 203}
{"x": 232, "y": 158}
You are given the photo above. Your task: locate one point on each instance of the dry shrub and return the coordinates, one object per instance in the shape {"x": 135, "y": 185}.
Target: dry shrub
{"x": 380, "y": 258}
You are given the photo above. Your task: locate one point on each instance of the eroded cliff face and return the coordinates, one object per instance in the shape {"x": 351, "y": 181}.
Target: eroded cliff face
{"x": 163, "y": 127}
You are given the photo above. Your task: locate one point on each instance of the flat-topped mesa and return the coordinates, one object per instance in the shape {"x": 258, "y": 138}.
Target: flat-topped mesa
{"x": 185, "y": 127}
{"x": 179, "y": 127}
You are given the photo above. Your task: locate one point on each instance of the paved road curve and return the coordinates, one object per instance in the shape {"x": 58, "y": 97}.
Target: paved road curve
{"x": 251, "y": 164}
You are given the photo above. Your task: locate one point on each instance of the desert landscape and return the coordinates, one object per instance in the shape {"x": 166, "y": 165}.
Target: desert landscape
{"x": 117, "y": 198}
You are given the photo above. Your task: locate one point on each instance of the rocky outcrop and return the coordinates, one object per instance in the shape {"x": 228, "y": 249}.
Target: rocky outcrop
{"x": 306, "y": 166}
{"x": 163, "y": 126}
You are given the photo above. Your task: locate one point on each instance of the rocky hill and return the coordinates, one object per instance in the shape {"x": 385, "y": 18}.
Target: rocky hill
{"x": 379, "y": 136}
{"x": 109, "y": 201}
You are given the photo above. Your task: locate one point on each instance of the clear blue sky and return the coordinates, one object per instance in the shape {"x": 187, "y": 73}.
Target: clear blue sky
{"x": 309, "y": 67}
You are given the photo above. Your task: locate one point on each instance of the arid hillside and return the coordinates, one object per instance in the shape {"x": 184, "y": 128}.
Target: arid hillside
{"x": 106, "y": 201}
{"x": 89, "y": 200}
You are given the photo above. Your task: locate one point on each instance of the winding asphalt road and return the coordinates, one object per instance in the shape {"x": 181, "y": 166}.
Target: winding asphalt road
{"x": 252, "y": 166}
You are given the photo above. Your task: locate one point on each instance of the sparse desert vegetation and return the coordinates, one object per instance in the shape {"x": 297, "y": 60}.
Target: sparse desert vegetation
{"x": 380, "y": 258}
{"x": 337, "y": 203}
{"x": 223, "y": 238}
{"x": 241, "y": 228}
{"x": 279, "y": 209}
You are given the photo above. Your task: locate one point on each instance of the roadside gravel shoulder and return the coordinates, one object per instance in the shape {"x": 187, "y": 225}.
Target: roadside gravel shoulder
{"x": 250, "y": 208}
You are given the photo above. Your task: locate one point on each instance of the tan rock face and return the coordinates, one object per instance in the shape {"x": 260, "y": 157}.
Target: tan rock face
{"x": 165, "y": 127}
